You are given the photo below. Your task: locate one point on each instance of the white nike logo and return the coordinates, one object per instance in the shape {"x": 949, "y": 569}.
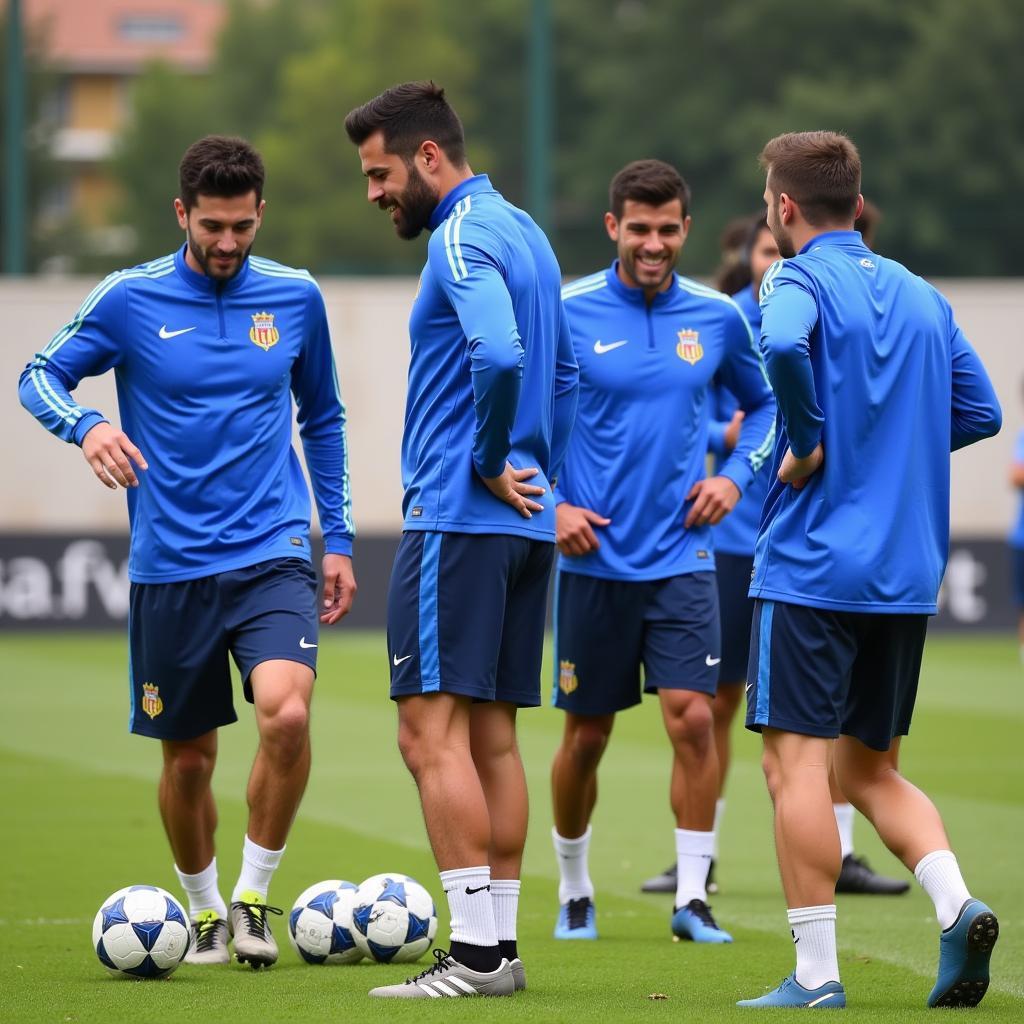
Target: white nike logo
{"x": 710, "y": 662}
{"x": 821, "y": 999}
{"x": 396, "y": 660}
{"x": 749, "y": 685}
{"x": 302, "y": 643}
{"x": 165, "y": 334}
{"x": 600, "y": 347}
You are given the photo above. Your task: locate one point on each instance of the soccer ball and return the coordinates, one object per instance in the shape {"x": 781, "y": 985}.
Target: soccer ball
{"x": 320, "y": 924}
{"x": 141, "y": 932}
{"x": 394, "y": 919}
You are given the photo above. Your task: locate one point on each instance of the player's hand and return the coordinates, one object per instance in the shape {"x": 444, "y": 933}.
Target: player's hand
{"x": 108, "y": 450}
{"x": 574, "y": 533}
{"x": 713, "y": 499}
{"x": 797, "y": 471}
{"x": 732, "y": 432}
{"x": 511, "y": 488}
{"x": 339, "y": 588}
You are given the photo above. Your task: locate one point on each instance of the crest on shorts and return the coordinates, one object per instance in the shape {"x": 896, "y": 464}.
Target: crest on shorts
{"x": 689, "y": 349}
{"x": 567, "y": 680}
{"x": 263, "y": 332}
{"x": 151, "y": 702}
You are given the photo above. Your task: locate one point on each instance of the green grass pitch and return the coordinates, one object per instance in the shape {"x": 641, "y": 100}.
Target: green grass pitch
{"x": 79, "y": 820}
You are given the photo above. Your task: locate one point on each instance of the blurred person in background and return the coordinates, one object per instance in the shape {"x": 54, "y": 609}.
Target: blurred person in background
{"x": 1017, "y": 537}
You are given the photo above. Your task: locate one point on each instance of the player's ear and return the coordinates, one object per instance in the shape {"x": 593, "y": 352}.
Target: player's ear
{"x": 429, "y": 156}
{"x": 182, "y": 214}
{"x": 611, "y": 225}
{"x": 860, "y": 207}
{"x": 259, "y": 212}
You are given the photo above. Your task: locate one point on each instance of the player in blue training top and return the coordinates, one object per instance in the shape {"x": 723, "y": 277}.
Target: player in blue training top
{"x": 876, "y": 385}
{"x": 491, "y": 399}
{"x": 208, "y": 345}
{"x": 636, "y": 586}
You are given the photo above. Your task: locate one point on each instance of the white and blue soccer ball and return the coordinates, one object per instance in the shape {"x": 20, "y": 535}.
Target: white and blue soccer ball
{"x": 141, "y": 931}
{"x": 320, "y": 924}
{"x": 394, "y": 919}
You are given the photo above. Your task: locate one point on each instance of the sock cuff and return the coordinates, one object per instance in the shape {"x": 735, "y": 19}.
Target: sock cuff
{"x": 505, "y": 886}
{"x": 804, "y": 915}
{"x": 561, "y": 843}
{"x": 931, "y": 858}
{"x": 452, "y": 878}
{"x": 697, "y": 844}
{"x": 209, "y": 873}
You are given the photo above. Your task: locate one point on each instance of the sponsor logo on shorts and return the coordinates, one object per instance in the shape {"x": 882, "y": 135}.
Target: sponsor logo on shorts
{"x": 567, "y": 680}
{"x": 396, "y": 660}
{"x": 689, "y": 349}
{"x": 711, "y": 662}
{"x": 151, "y": 702}
{"x": 263, "y": 332}
{"x": 305, "y": 646}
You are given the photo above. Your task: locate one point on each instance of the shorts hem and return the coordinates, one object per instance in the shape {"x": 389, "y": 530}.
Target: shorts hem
{"x": 521, "y": 699}
{"x": 652, "y": 687}
{"x": 176, "y": 735}
{"x": 800, "y": 728}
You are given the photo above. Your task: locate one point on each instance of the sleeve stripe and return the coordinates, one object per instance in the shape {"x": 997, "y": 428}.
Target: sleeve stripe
{"x": 768, "y": 281}
{"x": 452, "y": 248}
{"x": 52, "y": 400}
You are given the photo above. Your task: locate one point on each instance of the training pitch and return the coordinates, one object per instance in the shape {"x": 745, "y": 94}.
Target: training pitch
{"x": 80, "y": 820}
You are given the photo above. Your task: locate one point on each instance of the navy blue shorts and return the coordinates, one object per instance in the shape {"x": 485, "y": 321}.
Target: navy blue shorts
{"x": 466, "y": 615}
{"x": 825, "y": 673}
{"x": 1017, "y": 565}
{"x": 736, "y": 609}
{"x": 605, "y": 630}
{"x": 182, "y": 633}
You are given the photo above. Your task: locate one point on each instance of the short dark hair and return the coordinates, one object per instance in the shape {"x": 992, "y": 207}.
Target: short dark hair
{"x": 820, "y": 171}
{"x": 408, "y": 115}
{"x": 648, "y": 181}
{"x": 219, "y": 165}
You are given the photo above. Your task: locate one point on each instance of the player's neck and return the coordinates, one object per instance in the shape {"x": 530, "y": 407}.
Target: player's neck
{"x": 805, "y": 233}
{"x": 451, "y": 177}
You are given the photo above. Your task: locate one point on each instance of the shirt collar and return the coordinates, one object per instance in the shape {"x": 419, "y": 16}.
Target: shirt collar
{"x": 833, "y": 238}
{"x": 636, "y": 295}
{"x": 203, "y": 282}
{"x": 478, "y": 183}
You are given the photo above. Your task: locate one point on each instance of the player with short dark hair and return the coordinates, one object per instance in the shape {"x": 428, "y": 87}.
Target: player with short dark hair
{"x": 636, "y": 587}
{"x": 876, "y": 385}
{"x": 209, "y": 345}
{"x": 491, "y": 399}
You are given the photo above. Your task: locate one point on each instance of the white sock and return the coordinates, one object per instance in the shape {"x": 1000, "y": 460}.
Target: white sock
{"x": 719, "y": 813}
{"x": 258, "y": 867}
{"x": 844, "y": 819}
{"x": 201, "y": 889}
{"x": 814, "y": 935}
{"x": 939, "y": 875}
{"x": 693, "y": 856}
{"x": 470, "y": 905}
{"x": 505, "y": 900}
{"x": 573, "y": 870}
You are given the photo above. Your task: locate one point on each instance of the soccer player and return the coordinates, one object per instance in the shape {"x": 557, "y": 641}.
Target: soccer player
{"x": 734, "y": 541}
{"x": 491, "y": 399}
{"x": 636, "y": 585}
{"x": 876, "y": 384}
{"x": 1017, "y": 538}
{"x": 208, "y": 346}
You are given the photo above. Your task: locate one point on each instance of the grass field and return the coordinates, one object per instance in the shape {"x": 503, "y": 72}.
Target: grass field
{"x": 80, "y": 820}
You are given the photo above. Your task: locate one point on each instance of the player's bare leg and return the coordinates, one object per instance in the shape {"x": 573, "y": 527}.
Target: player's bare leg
{"x": 434, "y": 739}
{"x": 724, "y": 706}
{"x": 282, "y": 691}
{"x": 495, "y": 751}
{"x": 694, "y": 791}
{"x": 573, "y": 797}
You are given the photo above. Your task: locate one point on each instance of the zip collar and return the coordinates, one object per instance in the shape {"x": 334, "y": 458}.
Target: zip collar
{"x": 471, "y": 186}
{"x": 636, "y": 295}
{"x": 205, "y": 283}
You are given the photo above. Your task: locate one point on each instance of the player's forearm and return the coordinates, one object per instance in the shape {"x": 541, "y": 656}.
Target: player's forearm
{"x": 787, "y": 362}
{"x": 566, "y": 401}
{"x": 975, "y": 411}
{"x": 327, "y": 462}
{"x": 45, "y": 395}
{"x": 755, "y": 446}
{"x": 497, "y": 374}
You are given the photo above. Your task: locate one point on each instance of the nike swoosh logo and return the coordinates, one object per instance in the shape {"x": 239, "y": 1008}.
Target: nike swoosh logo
{"x": 749, "y": 685}
{"x": 396, "y": 660}
{"x": 711, "y": 662}
{"x": 165, "y": 334}
{"x": 479, "y": 888}
{"x": 303, "y": 644}
{"x": 600, "y": 348}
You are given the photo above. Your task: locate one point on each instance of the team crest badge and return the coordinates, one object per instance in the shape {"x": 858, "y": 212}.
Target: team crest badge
{"x": 151, "y": 702}
{"x": 263, "y": 332}
{"x": 567, "y": 681}
{"x": 689, "y": 349}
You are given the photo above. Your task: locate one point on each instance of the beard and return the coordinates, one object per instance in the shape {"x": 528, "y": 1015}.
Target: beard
{"x": 205, "y": 259}
{"x": 641, "y": 275}
{"x": 415, "y": 206}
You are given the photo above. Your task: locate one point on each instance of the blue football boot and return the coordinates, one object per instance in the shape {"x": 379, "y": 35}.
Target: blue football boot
{"x": 577, "y": 919}
{"x": 790, "y": 993}
{"x": 695, "y": 923}
{"x": 965, "y": 949}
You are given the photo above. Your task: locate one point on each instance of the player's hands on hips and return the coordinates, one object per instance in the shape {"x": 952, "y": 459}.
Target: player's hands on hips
{"x": 797, "y": 471}
{"x": 574, "y": 529}
{"x": 339, "y": 588}
{"x": 713, "y": 499}
{"x": 108, "y": 450}
{"x": 732, "y": 432}
{"x": 511, "y": 487}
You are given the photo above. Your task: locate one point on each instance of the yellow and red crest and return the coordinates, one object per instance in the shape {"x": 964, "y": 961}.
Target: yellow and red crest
{"x": 567, "y": 681}
{"x": 263, "y": 332}
{"x": 151, "y": 702}
{"x": 689, "y": 349}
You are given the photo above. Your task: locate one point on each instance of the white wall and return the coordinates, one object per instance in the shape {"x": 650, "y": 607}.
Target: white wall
{"x": 45, "y": 484}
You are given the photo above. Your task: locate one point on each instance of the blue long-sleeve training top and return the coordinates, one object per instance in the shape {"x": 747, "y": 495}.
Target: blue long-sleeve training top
{"x": 205, "y": 375}
{"x": 492, "y": 375}
{"x": 641, "y": 433}
{"x": 867, "y": 359}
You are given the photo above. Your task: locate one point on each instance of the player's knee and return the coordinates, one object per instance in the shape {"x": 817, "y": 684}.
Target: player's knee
{"x": 587, "y": 742}
{"x": 189, "y": 768}
{"x": 412, "y": 747}
{"x": 772, "y": 772}
{"x": 691, "y": 723}
{"x": 286, "y": 730}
